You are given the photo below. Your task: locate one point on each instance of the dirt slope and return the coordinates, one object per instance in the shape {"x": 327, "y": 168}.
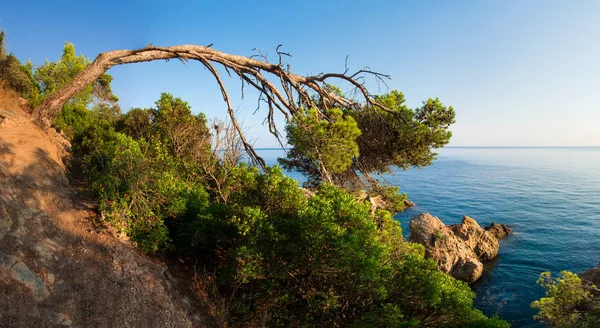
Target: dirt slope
{"x": 56, "y": 267}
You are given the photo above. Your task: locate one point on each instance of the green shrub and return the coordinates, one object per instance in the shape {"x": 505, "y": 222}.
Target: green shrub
{"x": 16, "y": 76}
{"x": 279, "y": 257}
{"x": 567, "y": 303}
{"x": 72, "y": 120}
{"x": 150, "y": 234}
{"x": 144, "y": 184}
{"x": 394, "y": 200}
{"x": 327, "y": 261}
{"x": 136, "y": 123}
{"x": 121, "y": 176}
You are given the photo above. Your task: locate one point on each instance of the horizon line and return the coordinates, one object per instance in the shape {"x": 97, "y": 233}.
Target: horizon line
{"x": 274, "y": 148}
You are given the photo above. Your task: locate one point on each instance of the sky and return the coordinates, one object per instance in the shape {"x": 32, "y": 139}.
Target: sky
{"x": 518, "y": 73}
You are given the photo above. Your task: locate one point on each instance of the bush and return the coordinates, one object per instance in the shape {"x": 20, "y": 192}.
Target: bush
{"x": 280, "y": 258}
{"x": 567, "y": 303}
{"x": 132, "y": 195}
{"x": 15, "y": 76}
{"x": 72, "y": 120}
{"x": 144, "y": 183}
{"x": 136, "y": 123}
{"x": 326, "y": 261}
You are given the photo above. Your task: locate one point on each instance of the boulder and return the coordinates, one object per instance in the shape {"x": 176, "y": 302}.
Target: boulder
{"x": 453, "y": 256}
{"x": 483, "y": 243}
{"x": 498, "y": 230}
{"x": 458, "y": 249}
{"x": 408, "y": 203}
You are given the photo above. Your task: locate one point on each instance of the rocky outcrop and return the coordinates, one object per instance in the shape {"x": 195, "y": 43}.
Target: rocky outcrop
{"x": 453, "y": 256}
{"x": 483, "y": 243}
{"x": 408, "y": 203}
{"x": 592, "y": 275}
{"x": 458, "y": 249}
{"x": 498, "y": 230}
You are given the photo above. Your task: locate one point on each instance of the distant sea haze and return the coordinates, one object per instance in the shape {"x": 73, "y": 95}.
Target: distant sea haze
{"x": 550, "y": 196}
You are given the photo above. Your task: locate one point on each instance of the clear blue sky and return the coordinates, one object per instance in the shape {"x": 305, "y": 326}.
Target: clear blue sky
{"x": 518, "y": 73}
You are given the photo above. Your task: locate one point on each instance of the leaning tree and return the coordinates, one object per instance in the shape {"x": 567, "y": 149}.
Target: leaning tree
{"x": 288, "y": 95}
{"x": 335, "y": 138}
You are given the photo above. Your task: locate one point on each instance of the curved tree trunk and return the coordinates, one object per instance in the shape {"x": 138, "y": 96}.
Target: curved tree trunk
{"x": 291, "y": 92}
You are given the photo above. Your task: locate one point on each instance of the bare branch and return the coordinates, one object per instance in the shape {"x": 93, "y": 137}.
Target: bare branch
{"x": 291, "y": 92}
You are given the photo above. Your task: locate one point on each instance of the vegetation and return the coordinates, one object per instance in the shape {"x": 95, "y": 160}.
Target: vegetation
{"x": 322, "y": 147}
{"x": 569, "y": 302}
{"x": 177, "y": 184}
{"x": 36, "y": 84}
{"x": 73, "y": 118}
{"x": 346, "y": 147}
{"x": 9, "y": 98}
{"x": 14, "y": 75}
{"x": 285, "y": 259}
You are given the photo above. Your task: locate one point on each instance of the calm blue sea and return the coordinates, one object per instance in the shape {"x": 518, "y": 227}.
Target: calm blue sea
{"x": 549, "y": 196}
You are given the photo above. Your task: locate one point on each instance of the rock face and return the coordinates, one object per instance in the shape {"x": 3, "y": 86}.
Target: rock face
{"x": 452, "y": 254}
{"x": 483, "y": 243}
{"x": 458, "y": 249}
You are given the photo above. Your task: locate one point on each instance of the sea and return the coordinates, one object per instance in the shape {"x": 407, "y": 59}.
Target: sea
{"x": 549, "y": 196}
